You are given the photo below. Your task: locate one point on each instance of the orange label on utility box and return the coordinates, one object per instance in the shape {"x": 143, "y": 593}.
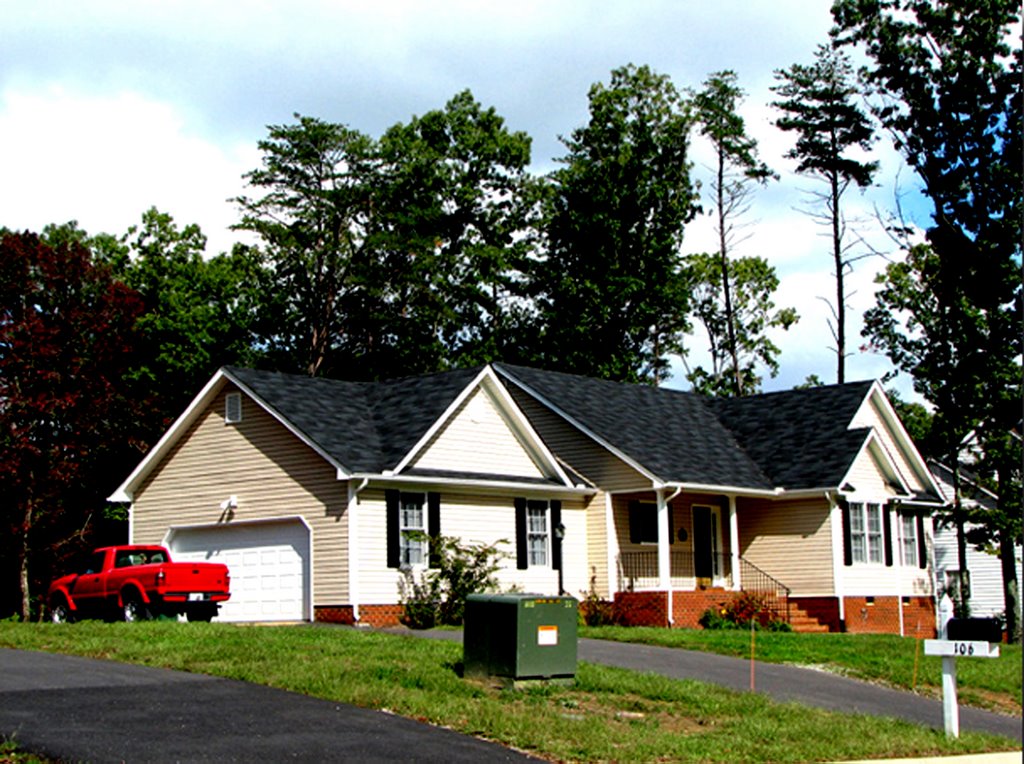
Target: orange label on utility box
{"x": 547, "y": 635}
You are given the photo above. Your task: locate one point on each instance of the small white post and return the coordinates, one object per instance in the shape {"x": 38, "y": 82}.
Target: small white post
{"x": 945, "y": 613}
{"x": 950, "y": 710}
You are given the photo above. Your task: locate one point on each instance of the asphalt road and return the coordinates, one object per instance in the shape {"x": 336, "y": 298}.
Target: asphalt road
{"x": 78, "y": 709}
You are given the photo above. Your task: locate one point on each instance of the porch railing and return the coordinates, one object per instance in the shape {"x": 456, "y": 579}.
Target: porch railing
{"x": 638, "y": 571}
{"x": 774, "y": 592}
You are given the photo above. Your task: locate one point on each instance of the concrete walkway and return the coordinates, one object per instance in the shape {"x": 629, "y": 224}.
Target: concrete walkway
{"x": 785, "y": 683}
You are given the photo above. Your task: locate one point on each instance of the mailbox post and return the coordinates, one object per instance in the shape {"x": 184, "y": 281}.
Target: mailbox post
{"x": 959, "y": 638}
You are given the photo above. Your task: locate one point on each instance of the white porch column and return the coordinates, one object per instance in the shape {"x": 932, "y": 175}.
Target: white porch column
{"x": 664, "y": 560}
{"x": 734, "y": 544}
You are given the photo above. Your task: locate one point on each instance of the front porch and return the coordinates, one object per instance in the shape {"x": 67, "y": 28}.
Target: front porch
{"x": 695, "y": 583}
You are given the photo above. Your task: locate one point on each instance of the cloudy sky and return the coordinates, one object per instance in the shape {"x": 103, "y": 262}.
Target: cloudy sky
{"x": 108, "y": 108}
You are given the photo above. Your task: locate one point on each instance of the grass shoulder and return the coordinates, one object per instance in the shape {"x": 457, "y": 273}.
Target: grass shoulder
{"x": 900, "y": 662}
{"x": 610, "y": 714}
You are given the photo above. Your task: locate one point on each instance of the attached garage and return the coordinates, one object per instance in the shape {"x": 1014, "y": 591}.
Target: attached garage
{"x": 269, "y": 563}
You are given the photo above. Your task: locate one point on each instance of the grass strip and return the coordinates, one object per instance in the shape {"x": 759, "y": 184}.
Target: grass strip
{"x": 610, "y": 714}
{"x": 991, "y": 683}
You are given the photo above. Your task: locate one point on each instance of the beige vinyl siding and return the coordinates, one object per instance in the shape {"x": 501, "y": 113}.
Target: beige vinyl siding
{"x": 791, "y": 541}
{"x": 477, "y": 439}
{"x": 474, "y": 519}
{"x": 870, "y": 415}
{"x": 597, "y": 545}
{"x": 868, "y": 479}
{"x": 271, "y": 472}
{"x": 578, "y": 451}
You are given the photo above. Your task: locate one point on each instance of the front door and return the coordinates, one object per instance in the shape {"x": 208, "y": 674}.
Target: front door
{"x": 706, "y": 543}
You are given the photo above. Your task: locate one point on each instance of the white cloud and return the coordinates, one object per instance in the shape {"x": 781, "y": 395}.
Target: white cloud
{"x": 104, "y": 160}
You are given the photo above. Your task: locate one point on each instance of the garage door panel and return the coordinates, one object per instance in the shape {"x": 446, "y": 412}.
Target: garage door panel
{"x": 268, "y": 563}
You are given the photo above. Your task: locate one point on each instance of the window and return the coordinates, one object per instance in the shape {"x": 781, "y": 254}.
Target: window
{"x": 538, "y": 532}
{"x": 643, "y": 523}
{"x": 908, "y": 539}
{"x": 411, "y": 520}
{"x": 538, "y": 538}
{"x": 866, "y": 532}
{"x": 233, "y": 408}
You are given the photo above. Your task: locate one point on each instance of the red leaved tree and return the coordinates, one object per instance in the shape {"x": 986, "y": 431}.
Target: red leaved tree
{"x": 66, "y": 334}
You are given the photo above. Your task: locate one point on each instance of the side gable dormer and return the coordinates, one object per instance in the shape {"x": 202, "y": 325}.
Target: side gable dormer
{"x": 891, "y": 446}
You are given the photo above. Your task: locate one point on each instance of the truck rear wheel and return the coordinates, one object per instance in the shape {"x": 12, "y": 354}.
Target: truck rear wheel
{"x": 203, "y": 613}
{"x": 134, "y": 609}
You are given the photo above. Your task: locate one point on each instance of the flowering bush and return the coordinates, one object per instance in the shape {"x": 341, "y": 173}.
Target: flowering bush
{"x": 745, "y": 608}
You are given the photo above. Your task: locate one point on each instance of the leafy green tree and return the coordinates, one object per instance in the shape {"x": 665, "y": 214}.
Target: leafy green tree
{"x": 317, "y": 184}
{"x": 450, "y": 217}
{"x": 67, "y": 330}
{"x": 198, "y": 312}
{"x": 735, "y": 360}
{"x": 820, "y": 107}
{"x": 946, "y": 79}
{"x": 609, "y": 293}
{"x": 736, "y": 169}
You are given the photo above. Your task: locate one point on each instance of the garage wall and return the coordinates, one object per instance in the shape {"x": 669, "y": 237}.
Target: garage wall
{"x": 271, "y": 472}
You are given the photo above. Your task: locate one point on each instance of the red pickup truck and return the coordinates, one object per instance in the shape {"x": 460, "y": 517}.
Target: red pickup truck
{"x": 136, "y": 583}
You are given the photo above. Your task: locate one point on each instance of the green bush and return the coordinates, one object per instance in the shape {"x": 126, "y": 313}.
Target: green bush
{"x": 595, "y": 611}
{"x": 743, "y": 610}
{"x": 457, "y": 570}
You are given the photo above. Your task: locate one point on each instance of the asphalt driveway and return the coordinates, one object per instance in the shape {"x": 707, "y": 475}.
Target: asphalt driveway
{"x": 785, "y": 683}
{"x": 79, "y": 709}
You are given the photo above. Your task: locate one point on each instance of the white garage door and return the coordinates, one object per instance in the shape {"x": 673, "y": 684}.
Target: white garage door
{"x": 268, "y": 563}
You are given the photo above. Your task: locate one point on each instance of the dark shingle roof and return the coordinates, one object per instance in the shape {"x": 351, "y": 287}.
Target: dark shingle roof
{"x": 799, "y": 437}
{"x": 363, "y": 426}
{"x": 794, "y": 439}
{"x": 672, "y": 434}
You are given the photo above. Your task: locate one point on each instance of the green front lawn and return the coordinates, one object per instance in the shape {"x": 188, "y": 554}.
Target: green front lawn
{"x": 611, "y": 714}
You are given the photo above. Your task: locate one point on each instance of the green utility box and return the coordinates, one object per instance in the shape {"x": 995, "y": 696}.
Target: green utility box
{"x": 520, "y": 637}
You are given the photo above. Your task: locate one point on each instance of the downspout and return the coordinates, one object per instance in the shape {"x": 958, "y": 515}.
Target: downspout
{"x": 664, "y": 548}
{"x": 353, "y": 563}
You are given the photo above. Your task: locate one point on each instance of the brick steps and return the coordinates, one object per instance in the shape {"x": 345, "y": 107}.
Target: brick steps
{"x": 804, "y": 622}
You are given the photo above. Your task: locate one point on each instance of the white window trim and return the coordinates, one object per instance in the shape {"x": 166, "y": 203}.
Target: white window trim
{"x": 405, "y": 544}
{"x": 535, "y": 504}
{"x": 859, "y": 510}
{"x": 908, "y": 539}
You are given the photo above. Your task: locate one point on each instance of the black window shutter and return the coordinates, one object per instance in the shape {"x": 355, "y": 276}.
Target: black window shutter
{"x": 922, "y": 544}
{"x": 522, "y": 559}
{"x": 847, "y": 542}
{"x": 391, "y": 498}
{"x": 556, "y": 543}
{"x": 887, "y": 533}
{"x": 434, "y": 527}
{"x": 671, "y": 526}
{"x": 635, "y": 524}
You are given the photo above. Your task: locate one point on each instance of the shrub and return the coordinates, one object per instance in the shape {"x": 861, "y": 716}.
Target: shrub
{"x": 457, "y": 570}
{"x": 595, "y": 611}
{"x": 746, "y": 608}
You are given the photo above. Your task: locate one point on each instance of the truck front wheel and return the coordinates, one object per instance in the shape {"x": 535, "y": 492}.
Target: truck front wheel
{"x": 61, "y": 613}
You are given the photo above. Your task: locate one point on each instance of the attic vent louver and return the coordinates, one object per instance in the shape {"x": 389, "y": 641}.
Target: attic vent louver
{"x": 233, "y": 408}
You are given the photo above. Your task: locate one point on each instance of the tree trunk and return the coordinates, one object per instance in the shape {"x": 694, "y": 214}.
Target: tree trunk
{"x": 723, "y": 253}
{"x": 23, "y": 553}
{"x": 1011, "y": 586}
{"x": 963, "y": 594}
{"x": 837, "y": 255}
